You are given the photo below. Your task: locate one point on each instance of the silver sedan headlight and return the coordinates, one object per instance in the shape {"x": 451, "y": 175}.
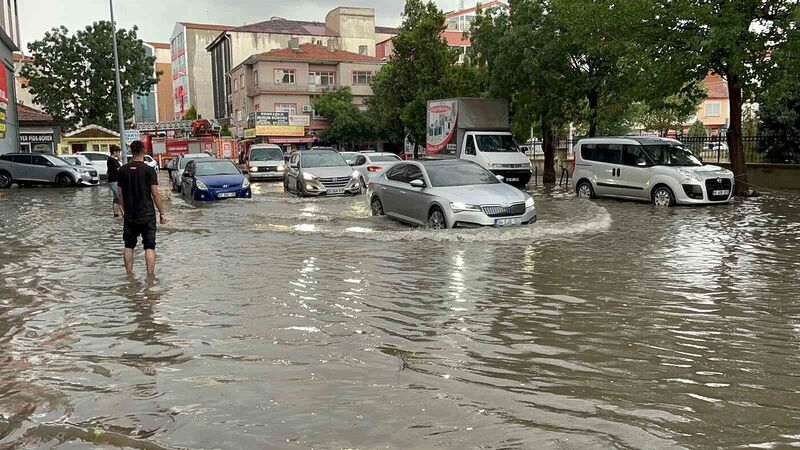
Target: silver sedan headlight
{"x": 529, "y": 203}
{"x": 460, "y": 206}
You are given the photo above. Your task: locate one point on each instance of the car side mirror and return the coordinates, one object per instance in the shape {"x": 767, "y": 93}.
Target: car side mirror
{"x": 500, "y": 178}
{"x": 417, "y": 183}
{"x": 351, "y": 163}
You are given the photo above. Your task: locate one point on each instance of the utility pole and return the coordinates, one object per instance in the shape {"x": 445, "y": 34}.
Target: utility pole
{"x": 120, "y": 112}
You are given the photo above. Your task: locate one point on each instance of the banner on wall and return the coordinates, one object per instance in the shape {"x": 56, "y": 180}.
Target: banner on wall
{"x": 3, "y": 100}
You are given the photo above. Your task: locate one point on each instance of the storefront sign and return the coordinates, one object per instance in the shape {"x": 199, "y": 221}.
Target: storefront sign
{"x": 280, "y": 130}
{"x": 3, "y": 118}
{"x": 300, "y": 120}
{"x": 267, "y": 118}
{"x": 4, "y": 85}
{"x": 130, "y": 136}
{"x": 250, "y": 133}
{"x": 182, "y": 125}
{"x": 35, "y": 138}
{"x": 175, "y": 148}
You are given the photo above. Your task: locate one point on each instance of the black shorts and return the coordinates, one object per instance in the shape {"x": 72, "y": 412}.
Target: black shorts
{"x": 147, "y": 230}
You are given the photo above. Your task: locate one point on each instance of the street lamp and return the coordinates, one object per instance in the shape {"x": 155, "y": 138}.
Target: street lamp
{"x": 120, "y": 112}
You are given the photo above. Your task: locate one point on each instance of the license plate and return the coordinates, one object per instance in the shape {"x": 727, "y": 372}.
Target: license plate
{"x": 512, "y": 179}
{"x": 335, "y": 191}
{"x": 507, "y": 222}
{"x": 721, "y": 192}
{"x": 226, "y": 195}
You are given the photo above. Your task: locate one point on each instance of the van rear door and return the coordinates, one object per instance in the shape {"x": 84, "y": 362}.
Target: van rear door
{"x": 605, "y": 160}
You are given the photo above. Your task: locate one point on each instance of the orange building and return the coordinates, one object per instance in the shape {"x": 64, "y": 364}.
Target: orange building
{"x": 714, "y": 112}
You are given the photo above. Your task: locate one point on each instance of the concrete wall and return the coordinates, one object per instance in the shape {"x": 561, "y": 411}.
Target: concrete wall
{"x": 772, "y": 176}
{"x": 199, "y": 64}
{"x": 345, "y": 75}
{"x": 356, "y": 27}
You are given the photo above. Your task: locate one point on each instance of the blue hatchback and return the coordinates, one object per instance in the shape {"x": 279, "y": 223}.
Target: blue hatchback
{"x": 208, "y": 179}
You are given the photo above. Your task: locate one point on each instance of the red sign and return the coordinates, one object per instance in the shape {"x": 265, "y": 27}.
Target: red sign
{"x": 176, "y": 148}
{"x": 3, "y": 85}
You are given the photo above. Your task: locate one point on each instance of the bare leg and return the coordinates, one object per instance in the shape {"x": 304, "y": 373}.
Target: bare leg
{"x": 150, "y": 260}
{"x": 116, "y": 209}
{"x": 127, "y": 256}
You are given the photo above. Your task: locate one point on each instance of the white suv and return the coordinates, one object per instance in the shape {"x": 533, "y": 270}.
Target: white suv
{"x": 651, "y": 169}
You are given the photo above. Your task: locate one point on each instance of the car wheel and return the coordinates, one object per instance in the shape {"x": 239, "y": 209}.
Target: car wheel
{"x": 63, "y": 181}
{"x": 663, "y": 197}
{"x": 5, "y": 180}
{"x": 584, "y": 189}
{"x": 436, "y": 220}
{"x": 363, "y": 185}
{"x": 376, "y": 206}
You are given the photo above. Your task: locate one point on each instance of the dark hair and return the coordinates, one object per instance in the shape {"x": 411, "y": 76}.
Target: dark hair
{"x": 114, "y": 149}
{"x": 137, "y": 148}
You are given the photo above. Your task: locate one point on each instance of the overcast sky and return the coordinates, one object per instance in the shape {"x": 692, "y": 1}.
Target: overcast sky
{"x": 156, "y": 18}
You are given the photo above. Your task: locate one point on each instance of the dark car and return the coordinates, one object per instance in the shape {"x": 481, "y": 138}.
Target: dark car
{"x": 208, "y": 179}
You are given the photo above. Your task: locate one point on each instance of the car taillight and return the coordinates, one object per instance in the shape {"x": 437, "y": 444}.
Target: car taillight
{"x": 374, "y": 168}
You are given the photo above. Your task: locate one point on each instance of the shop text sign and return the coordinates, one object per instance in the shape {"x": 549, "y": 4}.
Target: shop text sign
{"x": 176, "y": 125}
{"x": 35, "y": 138}
{"x": 280, "y": 130}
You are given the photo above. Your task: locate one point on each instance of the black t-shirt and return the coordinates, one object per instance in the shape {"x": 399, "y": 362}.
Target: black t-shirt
{"x": 136, "y": 180}
{"x": 113, "y": 169}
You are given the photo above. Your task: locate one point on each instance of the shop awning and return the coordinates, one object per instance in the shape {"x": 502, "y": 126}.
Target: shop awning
{"x": 291, "y": 140}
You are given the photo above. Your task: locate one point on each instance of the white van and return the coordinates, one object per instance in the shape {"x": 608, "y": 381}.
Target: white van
{"x": 265, "y": 162}
{"x": 657, "y": 170}
{"x": 499, "y": 153}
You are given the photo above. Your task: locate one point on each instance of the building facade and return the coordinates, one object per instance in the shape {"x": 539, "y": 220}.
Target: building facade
{"x": 345, "y": 28}
{"x": 157, "y": 105}
{"x": 714, "y": 112}
{"x": 9, "y": 43}
{"x": 286, "y": 81}
{"x": 38, "y": 132}
{"x": 191, "y": 68}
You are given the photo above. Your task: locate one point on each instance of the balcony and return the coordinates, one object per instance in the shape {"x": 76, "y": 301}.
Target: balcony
{"x": 298, "y": 88}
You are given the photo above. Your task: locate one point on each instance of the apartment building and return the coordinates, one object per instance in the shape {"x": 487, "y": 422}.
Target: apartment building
{"x": 348, "y": 29}
{"x": 157, "y": 105}
{"x": 9, "y": 43}
{"x": 279, "y": 86}
{"x": 714, "y": 112}
{"x": 191, "y": 67}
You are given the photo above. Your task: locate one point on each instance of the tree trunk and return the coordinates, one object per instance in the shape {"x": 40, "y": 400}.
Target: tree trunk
{"x": 549, "y": 149}
{"x": 735, "y": 147}
{"x": 594, "y": 101}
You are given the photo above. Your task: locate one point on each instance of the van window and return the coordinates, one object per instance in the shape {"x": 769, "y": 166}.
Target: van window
{"x": 469, "y": 148}
{"x": 604, "y": 153}
{"x": 266, "y": 154}
{"x": 632, "y": 155}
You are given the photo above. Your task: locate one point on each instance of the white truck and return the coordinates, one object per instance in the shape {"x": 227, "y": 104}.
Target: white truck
{"x": 476, "y": 129}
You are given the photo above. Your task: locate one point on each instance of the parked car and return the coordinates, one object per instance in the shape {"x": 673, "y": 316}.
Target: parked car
{"x": 320, "y": 172}
{"x": 82, "y": 162}
{"x": 348, "y": 156}
{"x": 99, "y": 160}
{"x": 147, "y": 160}
{"x": 369, "y": 165}
{"x": 208, "y": 179}
{"x": 650, "y": 169}
{"x": 27, "y": 169}
{"x": 176, "y": 175}
{"x": 448, "y": 194}
{"x": 265, "y": 162}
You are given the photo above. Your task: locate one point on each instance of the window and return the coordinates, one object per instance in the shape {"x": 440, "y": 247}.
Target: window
{"x": 363, "y": 50}
{"x": 633, "y": 155}
{"x": 257, "y": 107}
{"x": 241, "y": 80}
{"x": 469, "y": 148}
{"x": 39, "y": 160}
{"x": 284, "y": 76}
{"x": 322, "y": 78}
{"x": 397, "y": 173}
{"x": 235, "y": 84}
{"x": 360, "y": 160}
{"x": 361, "y": 77}
{"x": 290, "y": 108}
{"x": 22, "y": 159}
{"x": 255, "y": 77}
{"x": 413, "y": 173}
{"x": 713, "y": 109}
{"x": 601, "y": 153}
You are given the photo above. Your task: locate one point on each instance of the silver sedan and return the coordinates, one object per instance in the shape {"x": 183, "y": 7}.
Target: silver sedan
{"x": 448, "y": 194}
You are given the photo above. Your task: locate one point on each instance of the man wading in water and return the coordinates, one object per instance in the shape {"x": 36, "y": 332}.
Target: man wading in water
{"x": 138, "y": 191}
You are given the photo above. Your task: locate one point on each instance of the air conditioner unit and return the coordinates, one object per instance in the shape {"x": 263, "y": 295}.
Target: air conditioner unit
{"x": 306, "y": 108}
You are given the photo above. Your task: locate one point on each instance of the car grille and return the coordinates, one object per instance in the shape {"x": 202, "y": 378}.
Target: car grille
{"x": 334, "y": 183}
{"x": 517, "y": 209}
{"x": 268, "y": 169}
{"x": 513, "y": 166}
{"x": 713, "y": 184}
{"x": 92, "y": 173}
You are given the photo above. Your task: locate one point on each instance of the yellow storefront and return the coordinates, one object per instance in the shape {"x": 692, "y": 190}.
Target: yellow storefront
{"x": 92, "y": 138}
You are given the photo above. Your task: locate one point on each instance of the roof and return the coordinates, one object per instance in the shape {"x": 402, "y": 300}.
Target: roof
{"x": 278, "y": 25}
{"x": 205, "y": 26}
{"x": 92, "y": 131}
{"x": 387, "y": 30}
{"x": 161, "y": 45}
{"x": 312, "y": 52}
{"x": 456, "y": 38}
{"x": 28, "y": 114}
{"x": 17, "y": 57}
{"x": 461, "y": 12}
{"x": 716, "y": 86}
{"x": 643, "y": 140}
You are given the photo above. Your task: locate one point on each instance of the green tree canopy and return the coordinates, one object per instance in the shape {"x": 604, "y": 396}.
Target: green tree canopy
{"x": 191, "y": 114}
{"x": 72, "y": 76}
{"x": 347, "y": 124}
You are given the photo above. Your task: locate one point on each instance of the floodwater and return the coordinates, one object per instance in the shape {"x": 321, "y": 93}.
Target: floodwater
{"x": 288, "y": 323}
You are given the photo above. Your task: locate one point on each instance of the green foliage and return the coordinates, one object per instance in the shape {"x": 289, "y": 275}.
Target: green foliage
{"x": 670, "y": 113}
{"x": 225, "y": 131}
{"x": 72, "y": 76}
{"x": 191, "y": 114}
{"x": 422, "y": 68}
{"x": 697, "y": 130}
{"x": 347, "y": 124}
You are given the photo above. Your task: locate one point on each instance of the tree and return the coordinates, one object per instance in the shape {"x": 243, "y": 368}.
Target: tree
{"x": 72, "y": 76}
{"x": 697, "y": 130}
{"x": 225, "y": 131}
{"x": 734, "y": 39}
{"x": 347, "y": 124}
{"x": 423, "y": 67}
{"x": 191, "y": 114}
{"x": 670, "y": 113}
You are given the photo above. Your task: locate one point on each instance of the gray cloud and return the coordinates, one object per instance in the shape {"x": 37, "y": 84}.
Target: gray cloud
{"x": 156, "y": 18}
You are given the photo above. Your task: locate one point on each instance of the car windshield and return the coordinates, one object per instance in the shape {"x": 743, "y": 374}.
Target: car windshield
{"x": 323, "y": 159}
{"x": 221, "y": 167}
{"x": 72, "y": 160}
{"x": 348, "y": 155}
{"x": 459, "y": 175}
{"x": 671, "y": 155}
{"x": 496, "y": 143}
{"x": 185, "y": 160}
{"x": 384, "y": 158}
{"x": 58, "y": 161}
{"x": 266, "y": 154}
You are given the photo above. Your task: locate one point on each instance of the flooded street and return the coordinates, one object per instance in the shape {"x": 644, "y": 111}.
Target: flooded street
{"x": 281, "y": 322}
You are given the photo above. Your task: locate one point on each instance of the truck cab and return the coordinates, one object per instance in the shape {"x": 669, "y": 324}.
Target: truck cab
{"x": 499, "y": 153}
